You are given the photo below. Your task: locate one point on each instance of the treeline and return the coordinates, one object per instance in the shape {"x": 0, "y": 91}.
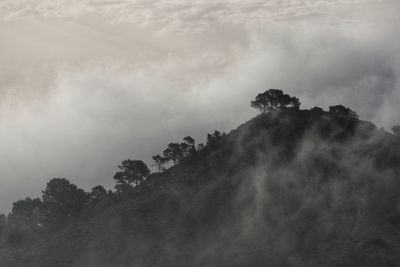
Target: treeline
{"x": 62, "y": 201}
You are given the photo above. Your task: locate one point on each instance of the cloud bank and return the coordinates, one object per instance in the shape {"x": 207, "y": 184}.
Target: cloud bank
{"x": 86, "y": 84}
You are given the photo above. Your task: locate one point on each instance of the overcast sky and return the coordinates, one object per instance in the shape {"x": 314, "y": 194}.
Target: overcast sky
{"x": 85, "y": 84}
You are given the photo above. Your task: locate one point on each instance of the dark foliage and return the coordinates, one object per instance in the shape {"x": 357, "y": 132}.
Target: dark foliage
{"x": 62, "y": 201}
{"x": 342, "y": 111}
{"x": 159, "y": 162}
{"x": 98, "y": 193}
{"x": 274, "y": 99}
{"x": 133, "y": 173}
{"x": 177, "y": 152}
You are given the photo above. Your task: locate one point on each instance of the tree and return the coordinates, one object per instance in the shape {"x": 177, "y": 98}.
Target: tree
{"x": 97, "y": 194}
{"x": 27, "y": 213}
{"x": 159, "y": 162}
{"x": 190, "y": 141}
{"x": 343, "y": 111}
{"x": 133, "y": 173}
{"x": 396, "y": 129}
{"x": 189, "y": 145}
{"x": 213, "y": 139}
{"x": 274, "y": 99}
{"x": 317, "y": 110}
{"x": 62, "y": 200}
{"x": 174, "y": 152}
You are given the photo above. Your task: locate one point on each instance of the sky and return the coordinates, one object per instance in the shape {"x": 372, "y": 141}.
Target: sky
{"x": 86, "y": 84}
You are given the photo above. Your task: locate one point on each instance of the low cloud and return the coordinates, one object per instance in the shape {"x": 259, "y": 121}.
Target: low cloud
{"x": 87, "y": 86}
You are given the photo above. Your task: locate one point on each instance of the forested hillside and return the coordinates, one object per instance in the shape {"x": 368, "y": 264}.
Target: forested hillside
{"x": 290, "y": 187}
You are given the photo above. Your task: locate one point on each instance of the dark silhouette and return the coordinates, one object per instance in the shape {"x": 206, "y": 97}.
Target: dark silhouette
{"x": 189, "y": 146}
{"x": 288, "y": 188}
{"x": 97, "y": 194}
{"x": 133, "y": 173}
{"x": 214, "y": 138}
{"x": 317, "y": 110}
{"x": 173, "y": 152}
{"x": 274, "y": 99}
{"x": 177, "y": 152}
{"x": 27, "y": 213}
{"x": 342, "y": 111}
{"x": 62, "y": 200}
{"x": 159, "y": 162}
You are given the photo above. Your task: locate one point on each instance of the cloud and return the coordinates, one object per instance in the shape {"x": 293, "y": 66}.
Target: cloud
{"x": 178, "y": 15}
{"x": 85, "y": 84}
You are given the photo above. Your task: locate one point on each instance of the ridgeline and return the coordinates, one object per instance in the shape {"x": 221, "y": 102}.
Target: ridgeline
{"x": 290, "y": 187}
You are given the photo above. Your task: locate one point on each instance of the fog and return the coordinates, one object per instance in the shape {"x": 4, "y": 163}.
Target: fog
{"x": 86, "y": 84}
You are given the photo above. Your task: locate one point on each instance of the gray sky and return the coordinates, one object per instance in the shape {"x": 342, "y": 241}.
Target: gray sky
{"x": 85, "y": 84}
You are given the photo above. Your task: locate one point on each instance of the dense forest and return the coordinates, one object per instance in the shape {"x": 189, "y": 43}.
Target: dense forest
{"x": 290, "y": 187}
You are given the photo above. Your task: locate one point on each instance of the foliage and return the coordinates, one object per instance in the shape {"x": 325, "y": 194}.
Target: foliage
{"x": 62, "y": 200}
{"x": 159, "y": 162}
{"x": 28, "y": 212}
{"x": 214, "y": 138}
{"x": 133, "y": 173}
{"x": 317, "y": 110}
{"x": 173, "y": 152}
{"x": 274, "y": 99}
{"x": 97, "y": 194}
{"x": 177, "y": 152}
{"x": 343, "y": 111}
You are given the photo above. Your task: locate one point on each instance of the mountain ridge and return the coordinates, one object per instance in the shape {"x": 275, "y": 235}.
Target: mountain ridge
{"x": 286, "y": 188}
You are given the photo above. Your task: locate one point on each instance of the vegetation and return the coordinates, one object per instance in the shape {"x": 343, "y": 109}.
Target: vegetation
{"x": 342, "y": 111}
{"x": 290, "y": 187}
{"x": 133, "y": 173}
{"x": 274, "y": 99}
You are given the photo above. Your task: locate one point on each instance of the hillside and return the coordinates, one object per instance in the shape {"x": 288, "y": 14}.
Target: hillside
{"x": 287, "y": 188}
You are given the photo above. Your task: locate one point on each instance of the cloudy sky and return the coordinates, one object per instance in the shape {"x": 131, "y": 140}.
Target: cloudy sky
{"x": 85, "y": 84}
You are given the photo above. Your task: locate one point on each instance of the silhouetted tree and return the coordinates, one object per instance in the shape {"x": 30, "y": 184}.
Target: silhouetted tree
{"x": 97, "y": 194}
{"x": 133, "y": 173}
{"x": 317, "y": 110}
{"x": 62, "y": 200}
{"x": 159, "y": 162}
{"x": 274, "y": 99}
{"x": 213, "y": 139}
{"x": 396, "y": 129}
{"x": 27, "y": 212}
{"x": 189, "y": 146}
{"x": 342, "y": 111}
{"x": 184, "y": 147}
{"x": 190, "y": 141}
{"x": 174, "y": 152}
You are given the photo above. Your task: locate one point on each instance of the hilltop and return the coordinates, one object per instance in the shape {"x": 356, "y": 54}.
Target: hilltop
{"x": 289, "y": 187}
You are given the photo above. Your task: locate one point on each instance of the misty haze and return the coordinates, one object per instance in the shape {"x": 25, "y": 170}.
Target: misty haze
{"x": 199, "y": 133}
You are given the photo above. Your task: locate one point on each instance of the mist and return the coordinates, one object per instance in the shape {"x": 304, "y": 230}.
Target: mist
{"x": 86, "y": 85}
